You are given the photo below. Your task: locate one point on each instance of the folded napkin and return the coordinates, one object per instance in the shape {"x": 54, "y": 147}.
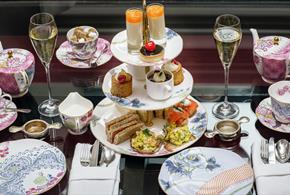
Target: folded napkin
{"x": 270, "y": 178}
{"x": 93, "y": 180}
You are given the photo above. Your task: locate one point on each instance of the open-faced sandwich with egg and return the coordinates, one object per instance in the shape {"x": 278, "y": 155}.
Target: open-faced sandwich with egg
{"x": 146, "y": 142}
{"x": 176, "y": 136}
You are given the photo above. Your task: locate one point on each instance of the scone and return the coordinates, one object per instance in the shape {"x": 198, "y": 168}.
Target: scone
{"x": 151, "y": 52}
{"x": 175, "y": 67}
{"x": 121, "y": 84}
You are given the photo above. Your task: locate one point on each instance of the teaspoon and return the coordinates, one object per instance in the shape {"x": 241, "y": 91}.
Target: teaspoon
{"x": 282, "y": 150}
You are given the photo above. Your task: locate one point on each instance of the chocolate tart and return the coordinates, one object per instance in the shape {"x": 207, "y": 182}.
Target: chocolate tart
{"x": 152, "y": 56}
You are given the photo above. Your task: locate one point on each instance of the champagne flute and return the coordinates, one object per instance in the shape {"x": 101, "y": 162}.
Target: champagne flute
{"x": 43, "y": 35}
{"x": 227, "y": 34}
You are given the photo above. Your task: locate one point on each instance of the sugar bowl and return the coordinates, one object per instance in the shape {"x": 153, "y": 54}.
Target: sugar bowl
{"x": 17, "y": 68}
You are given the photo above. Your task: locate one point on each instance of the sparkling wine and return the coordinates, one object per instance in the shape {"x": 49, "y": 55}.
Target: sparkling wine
{"x": 43, "y": 39}
{"x": 227, "y": 41}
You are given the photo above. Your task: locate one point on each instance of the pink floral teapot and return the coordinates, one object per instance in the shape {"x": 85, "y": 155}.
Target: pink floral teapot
{"x": 17, "y": 68}
{"x": 271, "y": 56}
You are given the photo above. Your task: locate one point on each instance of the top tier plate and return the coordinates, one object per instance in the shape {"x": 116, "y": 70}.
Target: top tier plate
{"x": 174, "y": 46}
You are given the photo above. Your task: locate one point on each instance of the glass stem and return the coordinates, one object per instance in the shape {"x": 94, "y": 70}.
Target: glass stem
{"x": 47, "y": 71}
{"x": 226, "y": 71}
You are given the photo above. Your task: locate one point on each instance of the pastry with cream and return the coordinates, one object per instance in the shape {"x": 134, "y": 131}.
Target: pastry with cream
{"x": 151, "y": 52}
{"x": 121, "y": 84}
{"x": 176, "y": 68}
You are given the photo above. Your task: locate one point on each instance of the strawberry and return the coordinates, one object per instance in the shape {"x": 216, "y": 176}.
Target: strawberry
{"x": 150, "y": 46}
{"x": 122, "y": 78}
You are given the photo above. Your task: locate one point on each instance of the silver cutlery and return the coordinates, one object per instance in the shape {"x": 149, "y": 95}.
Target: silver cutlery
{"x": 272, "y": 156}
{"x": 85, "y": 155}
{"x": 264, "y": 152}
{"x": 282, "y": 151}
{"x": 22, "y": 110}
{"x": 94, "y": 62}
{"x": 95, "y": 154}
{"x": 107, "y": 156}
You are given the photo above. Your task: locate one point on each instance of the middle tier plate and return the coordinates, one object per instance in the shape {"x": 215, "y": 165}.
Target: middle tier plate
{"x": 139, "y": 100}
{"x": 174, "y": 46}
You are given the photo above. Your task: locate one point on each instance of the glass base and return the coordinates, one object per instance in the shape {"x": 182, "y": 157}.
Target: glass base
{"x": 49, "y": 108}
{"x": 220, "y": 110}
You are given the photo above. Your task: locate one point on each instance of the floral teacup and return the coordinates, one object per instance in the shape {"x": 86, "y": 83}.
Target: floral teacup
{"x": 280, "y": 100}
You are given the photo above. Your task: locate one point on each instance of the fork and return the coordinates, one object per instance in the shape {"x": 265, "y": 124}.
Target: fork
{"x": 85, "y": 155}
{"x": 264, "y": 150}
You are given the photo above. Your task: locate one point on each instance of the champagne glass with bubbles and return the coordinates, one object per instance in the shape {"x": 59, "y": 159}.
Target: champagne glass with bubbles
{"x": 227, "y": 35}
{"x": 43, "y": 35}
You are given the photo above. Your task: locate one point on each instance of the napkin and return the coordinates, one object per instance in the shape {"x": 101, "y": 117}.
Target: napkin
{"x": 270, "y": 178}
{"x": 93, "y": 180}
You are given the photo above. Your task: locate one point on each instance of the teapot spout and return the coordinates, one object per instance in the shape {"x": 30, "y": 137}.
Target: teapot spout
{"x": 255, "y": 35}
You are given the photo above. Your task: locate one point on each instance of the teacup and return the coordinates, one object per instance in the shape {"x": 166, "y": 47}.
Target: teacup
{"x": 82, "y": 49}
{"x": 76, "y": 113}
{"x": 280, "y": 100}
{"x": 159, "y": 90}
{"x": 35, "y": 128}
{"x": 228, "y": 129}
{"x": 6, "y": 96}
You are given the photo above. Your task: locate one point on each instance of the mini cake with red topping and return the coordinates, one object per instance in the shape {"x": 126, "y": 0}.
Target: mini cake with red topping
{"x": 175, "y": 67}
{"x": 121, "y": 84}
{"x": 151, "y": 52}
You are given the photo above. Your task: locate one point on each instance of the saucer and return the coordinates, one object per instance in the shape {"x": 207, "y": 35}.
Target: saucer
{"x": 266, "y": 117}
{"x": 65, "y": 58}
{"x": 6, "y": 119}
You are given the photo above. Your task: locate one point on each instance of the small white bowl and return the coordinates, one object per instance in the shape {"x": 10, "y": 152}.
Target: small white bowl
{"x": 76, "y": 113}
{"x": 280, "y": 100}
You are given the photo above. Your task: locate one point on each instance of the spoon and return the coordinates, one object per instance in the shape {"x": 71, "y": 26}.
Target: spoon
{"x": 107, "y": 156}
{"x": 22, "y": 110}
{"x": 282, "y": 150}
{"x": 94, "y": 61}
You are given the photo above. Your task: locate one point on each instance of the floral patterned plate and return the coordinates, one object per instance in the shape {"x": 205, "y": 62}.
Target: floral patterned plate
{"x": 64, "y": 57}
{"x": 107, "y": 110}
{"x": 266, "y": 117}
{"x": 205, "y": 171}
{"x": 139, "y": 100}
{"x": 6, "y": 118}
{"x": 30, "y": 166}
{"x": 174, "y": 46}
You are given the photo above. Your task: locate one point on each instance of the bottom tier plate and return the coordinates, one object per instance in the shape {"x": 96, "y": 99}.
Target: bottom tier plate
{"x": 107, "y": 110}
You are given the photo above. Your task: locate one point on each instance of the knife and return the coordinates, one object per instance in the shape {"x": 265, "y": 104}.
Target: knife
{"x": 95, "y": 154}
{"x": 272, "y": 157}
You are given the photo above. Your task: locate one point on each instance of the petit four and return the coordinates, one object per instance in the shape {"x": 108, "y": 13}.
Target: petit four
{"x": 175, "y": 67}
{"x": 121, "y": 84}
{"x": 151, "y": 52}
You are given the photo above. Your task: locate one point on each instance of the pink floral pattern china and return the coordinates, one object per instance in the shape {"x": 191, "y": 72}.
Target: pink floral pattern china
{"x": 266, "y": 117}
{"x": 64, "y": 55}
{"x": 6, "y": 119}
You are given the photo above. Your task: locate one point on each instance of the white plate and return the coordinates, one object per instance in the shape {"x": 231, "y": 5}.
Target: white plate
{"x": 174, "y": 46}
{"x": 139, "y": 100}
{"x": 6, "y": 118}
{"x": 204, "y": 171}
{"x": 107, "y": 110}
{"x": 267, "y": 118}
{"x": 62, "y": 54}
{"x": 30, "y": 166}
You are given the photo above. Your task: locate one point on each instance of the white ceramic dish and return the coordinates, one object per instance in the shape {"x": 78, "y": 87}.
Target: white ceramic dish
{"x": 30, "y": 166}
{"x": 107, "y": 110}
{"x": 265, "y": 115}
{"x": 76, "y": 112}
{"x": 174, "y": 46}
{"x": 201, "y": 170}
{"x": 65, "y": 48}
{"x": 139, "y": 100}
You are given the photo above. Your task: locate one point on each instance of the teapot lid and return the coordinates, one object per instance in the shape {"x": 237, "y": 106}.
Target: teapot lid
{"x": 14, "y": 60}
{"x": 277, "y": 47}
